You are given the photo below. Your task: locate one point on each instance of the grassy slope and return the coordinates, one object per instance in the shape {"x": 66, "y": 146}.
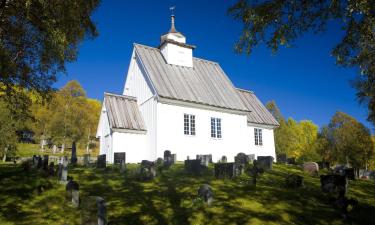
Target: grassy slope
{"x": 169, "y": 199}
{"x": 28, "y": 150}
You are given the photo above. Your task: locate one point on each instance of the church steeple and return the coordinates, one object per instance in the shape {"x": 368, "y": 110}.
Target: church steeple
{"x": 174, "y": 48}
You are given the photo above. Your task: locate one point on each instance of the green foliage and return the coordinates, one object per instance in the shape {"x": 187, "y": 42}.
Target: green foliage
{"x": 276, "y": 23}
{"x": 345, "y": 140}
{"x": 8, "y": 128}
{"x": 37, "y": 38}
{"x": 172, "y": 198}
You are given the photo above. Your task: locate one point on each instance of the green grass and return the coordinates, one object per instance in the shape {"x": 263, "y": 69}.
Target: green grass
{"x": 169, "y": 199}
{"x": 28, "y": 150}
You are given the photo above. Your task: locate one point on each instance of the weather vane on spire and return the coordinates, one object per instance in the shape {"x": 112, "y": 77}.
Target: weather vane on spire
{"x": 172, "y": 8}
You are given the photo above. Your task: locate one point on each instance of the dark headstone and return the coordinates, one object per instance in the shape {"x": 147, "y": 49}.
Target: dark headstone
{"x": 265, "y": 162}
{"x": 45, "y": 162}
{"x": 40, "y": 162}
{"x": 101, "y": 161}
{"x": 311, "y": 168}
{"x": 51, "y": 169}
{"x": 323, "y": 165}
{"x": 227, "y": 170}
{"x": 86, "y": 159}
{"x": 74, "y": 153}
{"x": 148, "y": 170}
{"x": 167, "y": 158}
{"x": 118, "y": 157}
{"x": 72, "y": 192}
{"x": 35, "y": 160}
{"x": 59, "y": 170}
{"x": 241, "y": 158}
{"x": 294, "y": 181}
{"x": 122, "y": 166}
{"x": 223, "y": 159}
{"x": 205, "y": 193}
{"x": 254, "y": 172}
{"x": 281, "y": 158}
{"x": 349, "y": 173}
{"x": 333, "y": 184}
{"x": 193, "y": 166}
{"x": 205, "y": 159}
{"x": 291, "y": 161}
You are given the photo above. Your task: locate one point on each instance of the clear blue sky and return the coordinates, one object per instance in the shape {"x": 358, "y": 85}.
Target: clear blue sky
{"x": 304, "y": 80}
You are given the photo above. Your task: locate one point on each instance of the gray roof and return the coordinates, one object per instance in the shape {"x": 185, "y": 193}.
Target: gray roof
{"x": 205, "y": 83}
{"x": 123, "y": 112}
{"x": 258, "y": 113}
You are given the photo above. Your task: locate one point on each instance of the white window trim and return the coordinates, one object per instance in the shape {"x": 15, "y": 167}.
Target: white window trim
{"x": 258, "y": 139}
{"x": 189, "y": 127}
{"x": 215, "y": 128}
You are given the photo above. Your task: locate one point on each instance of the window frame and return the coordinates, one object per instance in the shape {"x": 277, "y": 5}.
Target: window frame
{"x": 216, "y": 128}
{"x": 189, "y": 125}
{"x": 258, "y": 137}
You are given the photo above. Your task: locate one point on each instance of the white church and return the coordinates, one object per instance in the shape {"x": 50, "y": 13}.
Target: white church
{"x": 174, "y": 101}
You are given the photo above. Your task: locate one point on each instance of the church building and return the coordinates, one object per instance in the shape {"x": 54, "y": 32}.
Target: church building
{"x": 187, "y": 105}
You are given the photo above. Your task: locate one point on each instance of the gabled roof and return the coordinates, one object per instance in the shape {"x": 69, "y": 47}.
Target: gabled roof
{"x": 258, "y": 113}
{"x": 205, "y": 83}
{"x": 123, "y": 112}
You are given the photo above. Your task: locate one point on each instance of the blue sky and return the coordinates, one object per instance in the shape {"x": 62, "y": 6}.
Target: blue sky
{"x": 303, "y": 80}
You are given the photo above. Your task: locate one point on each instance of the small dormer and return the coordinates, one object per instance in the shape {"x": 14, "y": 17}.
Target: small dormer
{"x": 174, "y": 48}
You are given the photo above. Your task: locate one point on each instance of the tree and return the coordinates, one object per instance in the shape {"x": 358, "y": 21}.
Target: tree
{"x": 281, "y": 22}
{"x": 8, "y": 128}
{"x": 348, "y": 140}
{"x": 37, "y": 38}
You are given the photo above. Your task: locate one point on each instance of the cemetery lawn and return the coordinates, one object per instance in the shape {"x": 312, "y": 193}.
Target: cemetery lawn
{"x": 31, "y": 198}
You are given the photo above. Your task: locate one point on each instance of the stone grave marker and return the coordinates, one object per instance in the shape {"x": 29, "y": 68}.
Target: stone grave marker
{"x": 72, "y": 192}
{"x": 265, "y": 162}
{"x": 206, "y": 194}
{"x": 54, "y": 149}
{"x": 281, "y": 158}
{"x": 148, "y": 170}
{"x": 223, "y": 159}
{"x": 205, "y": 159}
{"x": 241, "y": 158}
{"x": 167, "y": 158}
{"x": 333, "y": 184}
{"x": 59, "y": 168}
{"x": 311, "y": 168}
{"x": 122, "y": 166}
{"x": 45, "y": 162}
{"x": 64, "y": 174}
{"x": 74, "y": 154}
{"x": 224, "y": 170}
{"x": 293, "y": 181}
{"x": 35, "y": 161}
{"x": 101, "y": 161}
{"x": 174, "y": 158}
{"x": 51, "y": 169}
{"x": 254, "y": 172}
{"x": 251, "y": 157}
{"x": 291, "y": 161}
{"x": 349, "y": 173}
{"x": 193, "y": 166}
{"x": 118, "y": 157}
{"x": 94, "y": 211}
{"x": 40, "y": 162}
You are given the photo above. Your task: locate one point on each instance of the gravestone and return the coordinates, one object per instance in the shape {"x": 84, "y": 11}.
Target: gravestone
{"x": 323, "y": 165}
{"x": 54, "y": 149}
{"x": 74, "y": 154}
{"x": 122, "y": 166}
{"x": 167, "y": 158}
{"x": 40, "y": 162}
{"x": 93, "y": 211}
{"x": 349, "y": 173}
{"x": 148, "y": 170}
{"x": 241, "y": 158}
{"x": 86, "y": 159}
{"x": 174, "y": 158}
{"x": 59, "y": 168}
{"x": 206, "y": 194}
{"x": 333, "y": 184}
{"x": 45, "y": 162}
{"x": 64, "y": 173}
{"x": 72, "y": 192}
{"x": 205, "y": 159}
{"x": 251, "y": 157}
{"x": 224, "y": 170}
{"x": 101, "y": 161}
{"x": 265, "y": 162}
{"x": 281, "y": 158}
{"x": 291, "y": 161}
{"x": 35, "y": 161}
{"x": 223, "y": 159}
{"x": 311, "y": 168}
{"x": 254, "y": 172}
{"x": 119, "y": 157}
{"x": 293, "y": 181}
{"x": 193, "y": 166}
{"x": 51, "y": 169}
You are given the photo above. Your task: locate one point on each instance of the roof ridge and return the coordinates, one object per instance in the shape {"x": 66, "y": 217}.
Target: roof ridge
{"x": 244, "y": 90}
{"x": 121, "y": 96}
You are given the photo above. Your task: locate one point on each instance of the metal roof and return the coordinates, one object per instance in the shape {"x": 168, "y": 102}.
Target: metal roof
{"x": 205, "y": 83}
{"x": 123, "y": 112}
{"x": 258, "y": 113}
